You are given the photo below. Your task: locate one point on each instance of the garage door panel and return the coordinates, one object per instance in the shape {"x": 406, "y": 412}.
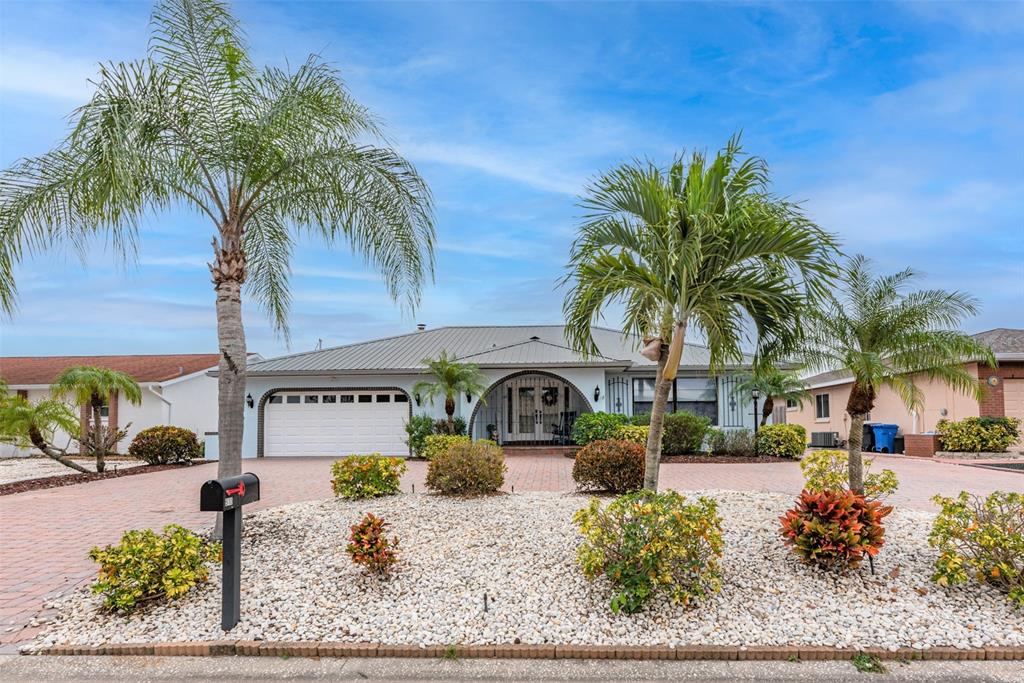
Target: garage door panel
{"x": 348, "y": 425}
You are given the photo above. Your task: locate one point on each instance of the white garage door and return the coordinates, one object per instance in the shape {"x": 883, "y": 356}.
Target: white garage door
{"x": 1013, "y": 401}
{"x": 335, "y": 423}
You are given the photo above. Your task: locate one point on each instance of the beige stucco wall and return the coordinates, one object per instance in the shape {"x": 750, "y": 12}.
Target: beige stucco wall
{"x": 889, "y": 408}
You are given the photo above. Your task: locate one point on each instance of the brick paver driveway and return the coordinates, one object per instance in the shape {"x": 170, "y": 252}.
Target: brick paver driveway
{"x": 45, "y": 535}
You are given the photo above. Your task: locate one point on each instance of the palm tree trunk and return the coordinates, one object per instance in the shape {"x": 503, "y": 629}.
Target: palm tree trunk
{"x": 228, "y": 271}
{"x": 449, "y": 409}
{"x": 853, "y": 448}
{"x": 98, "y": 445}
{"x": 652, "y": 458}
{"x": 39, "y": 442}
{"x": 766, "y": 411}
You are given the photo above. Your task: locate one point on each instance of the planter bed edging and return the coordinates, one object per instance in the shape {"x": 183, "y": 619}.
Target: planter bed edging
{"x": 263, "y": 648}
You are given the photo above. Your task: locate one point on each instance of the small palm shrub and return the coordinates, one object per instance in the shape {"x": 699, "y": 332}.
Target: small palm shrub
{"x": 684, "y": 433}
{"x": 616, "y": 466}
{"x": 979, "y": 434}
{"x": 834, "y": 530}
{"x": 590, "y": 427}
{"x": 165, "y": 444}
{"x": 467, "y": 468}
{"x": 367, "y": 476}
{"x": 418, "y": 428}
{"x": 828, "y": 470}
{"x": 147, "y": 566}
{"x": 438, "y": 444}
{"x": 737, "y": 442}
{"x": 458, "y": 427}
{"x": 369, "y": 546}
{"x": 983, "y": 539}
{"x": 782, "y": 440}
{"x": 633, "y": 433}
{"x": 648, "y": 543}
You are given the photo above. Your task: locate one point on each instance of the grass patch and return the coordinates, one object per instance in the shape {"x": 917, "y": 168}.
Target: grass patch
{"x": 867, "y": 664}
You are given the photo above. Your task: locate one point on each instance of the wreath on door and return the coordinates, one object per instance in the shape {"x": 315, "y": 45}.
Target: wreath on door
{"x": 549, "y": 397}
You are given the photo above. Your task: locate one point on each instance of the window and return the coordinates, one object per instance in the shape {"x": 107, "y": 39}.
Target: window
{"x": 105, "y": 410}
{"x": 698, "y": 395}
{"x": 383, "y": 398}
{"x": 330, "y": 398}
{"x": 293, "y": 399}
{"x": 313, "y": 399}
{"x": 347, "y": 398}
{"x": 401, "y": 398}
{"x": 365, "y": 398}
{"x": 790, "y": 404}
{"x": 821, "y": 407}
{"x": 275, "y": 399}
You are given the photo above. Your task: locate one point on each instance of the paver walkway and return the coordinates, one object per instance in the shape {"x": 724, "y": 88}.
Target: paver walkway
{"x": 45, "y": 535}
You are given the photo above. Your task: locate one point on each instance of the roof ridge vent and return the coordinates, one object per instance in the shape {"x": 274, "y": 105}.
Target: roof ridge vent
{"x": 534, "y": 338}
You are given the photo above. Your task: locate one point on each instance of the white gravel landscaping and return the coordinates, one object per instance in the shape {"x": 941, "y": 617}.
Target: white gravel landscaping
{"x": 299, "y": 584}
{"x": 20, "y": 469}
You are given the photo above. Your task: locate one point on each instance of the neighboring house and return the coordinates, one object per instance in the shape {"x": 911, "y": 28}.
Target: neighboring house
{"x": 176, "y": 389}
{"x": 357, "y": 398}
{"x": 1004, "y": 396}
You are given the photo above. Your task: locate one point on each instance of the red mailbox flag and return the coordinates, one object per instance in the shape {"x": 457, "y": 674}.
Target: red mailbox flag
{"x": 240, "y": 489}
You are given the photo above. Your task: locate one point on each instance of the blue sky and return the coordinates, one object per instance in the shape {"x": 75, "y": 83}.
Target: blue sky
{"x": 900, "y": 127}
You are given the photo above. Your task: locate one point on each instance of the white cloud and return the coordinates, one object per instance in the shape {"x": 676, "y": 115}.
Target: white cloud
{"x": 42, "y": 72}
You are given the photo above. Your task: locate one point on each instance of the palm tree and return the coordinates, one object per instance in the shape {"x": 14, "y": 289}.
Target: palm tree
{"x": 700, "y": 243}
{"x": 885, "y": 337}
{"x": 23, "y": 423}
{"x": 773, "y": 383}
{"x": 94, "y": 387}
{"x": 267, "y": 156}
{"x": 449, "y": 378}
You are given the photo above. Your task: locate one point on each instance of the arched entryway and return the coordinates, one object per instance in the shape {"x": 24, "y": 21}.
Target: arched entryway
{"x": 532, "y": 407}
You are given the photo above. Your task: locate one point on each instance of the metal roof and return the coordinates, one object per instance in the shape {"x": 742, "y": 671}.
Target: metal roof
{"x": 487, "y": 346}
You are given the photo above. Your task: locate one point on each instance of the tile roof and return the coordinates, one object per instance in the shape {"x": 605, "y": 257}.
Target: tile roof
{"x": 487, "y": 346}
{"x": 17, "y": 370}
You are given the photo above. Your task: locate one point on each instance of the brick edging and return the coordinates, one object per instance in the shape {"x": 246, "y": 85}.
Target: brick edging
{"x": 266, "y": 648}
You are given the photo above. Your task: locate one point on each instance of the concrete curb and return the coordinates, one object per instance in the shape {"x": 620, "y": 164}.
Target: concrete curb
{"x": 263, "y": 648}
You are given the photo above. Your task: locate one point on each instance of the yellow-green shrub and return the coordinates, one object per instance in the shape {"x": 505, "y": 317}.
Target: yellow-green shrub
{"x": 828, "y": 470}
{"x": 782, "y": 440}
{"x": 436, "y": 444}
{"x": 983, "y": 538}
{"x": 633, "y": 433}
{"x": 615, "y": 466}
{"x": 467, "y": 468}
{"x": 648, "y": 543}
{"x": 978, "y": 434}
{"x": 147, "y": 566}
{"x": 367, "y": 476}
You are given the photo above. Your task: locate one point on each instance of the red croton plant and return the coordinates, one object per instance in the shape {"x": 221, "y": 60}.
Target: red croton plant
{"x": 368, "y": 546}
{"x": 835, "y": 529}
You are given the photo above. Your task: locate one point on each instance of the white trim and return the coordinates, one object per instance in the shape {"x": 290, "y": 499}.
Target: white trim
{"x": 163, "y": 398}
{"x": 183, "y": 378}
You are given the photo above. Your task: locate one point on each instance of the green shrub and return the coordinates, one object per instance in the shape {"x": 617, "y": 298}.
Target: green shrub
{"x": 981, "y": 538}
{"x": 147, "y": 566}
{"x": 616, "y": 466}
{"x": 737, "y": 442}
{"x": 436, "y": 444}
{"x": 165, "y": 444}
{"x": 834, "y": 529}
{"x": 641, "y": 420}
{"x": 782, "y": 440}
{"x": 467, "y": 468}
{"x": 684, "y": 433}
{"x": 596, "y": 427}
{"x": 370, "y": 548}
{"x": 828, "y": 470}
{"x": 979, "y": 434}
{"x": 648, "y": 543}
{"x": 419, "y": 427}
{"x": 367, "y": 476}
{"x": 458, "y": 427}
{"x": 633, "y": 434}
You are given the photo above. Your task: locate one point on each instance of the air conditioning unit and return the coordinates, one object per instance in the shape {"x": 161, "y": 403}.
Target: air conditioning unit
{"x": 824, "y": 439}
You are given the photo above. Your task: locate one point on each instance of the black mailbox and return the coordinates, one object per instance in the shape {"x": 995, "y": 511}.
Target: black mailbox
{"x": 221, "y": 495}
{"x": 228, "y": 496}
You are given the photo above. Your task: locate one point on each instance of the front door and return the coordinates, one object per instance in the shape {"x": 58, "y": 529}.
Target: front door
{"x": 537, "y": 409}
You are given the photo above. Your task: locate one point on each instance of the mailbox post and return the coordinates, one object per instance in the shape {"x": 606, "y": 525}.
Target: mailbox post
{"x": 228, "y": 496}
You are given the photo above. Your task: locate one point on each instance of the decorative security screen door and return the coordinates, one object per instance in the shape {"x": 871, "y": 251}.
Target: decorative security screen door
{"x": 537, "y": 406}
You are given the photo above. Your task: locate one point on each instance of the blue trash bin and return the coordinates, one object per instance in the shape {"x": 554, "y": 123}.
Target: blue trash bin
{"x": 885, "y": 437}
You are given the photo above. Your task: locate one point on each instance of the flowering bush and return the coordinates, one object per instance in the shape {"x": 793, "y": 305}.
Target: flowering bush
{"x": 437, "y": 444}
{"x": 983, "y": 538}
{"x": 147, "y": 566}
{"x": 165, "y": 444}
{"x": 616, "y": 466}
{"x": 834, "y": 529}
{"x": 828, "y": 470}
{"x": 647, "y": 543}
{"x": 979, "y": 434}
{"x": 467, "y": 468}
{"x": 369, "y": 546}
{"x": 684, "y": 433}
{"x": 633, "y": 433}
{"x": 367, "y": 476}
{"x": 596, "y": 427}
{"x": 782, "y": 440}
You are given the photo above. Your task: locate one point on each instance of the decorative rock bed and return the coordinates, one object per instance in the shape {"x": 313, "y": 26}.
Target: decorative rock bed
{"x": 519, "y": 550}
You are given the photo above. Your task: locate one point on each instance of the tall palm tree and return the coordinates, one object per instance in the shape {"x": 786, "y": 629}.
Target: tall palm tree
{"x": 94, "y": 387}
{"x": 884, "y": 336}
{"x": 774, "y": 384}
{"x": 701, "y": 243}
{"x": 35, "y": 424}
{"x": 268, "y": 156}
{"x": 449, "y": 378}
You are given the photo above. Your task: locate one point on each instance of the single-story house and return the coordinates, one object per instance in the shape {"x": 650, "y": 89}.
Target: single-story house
{"x": 825, "y": 412}
{"x": 176, "y": 389}
{"x": 357, "y": 398}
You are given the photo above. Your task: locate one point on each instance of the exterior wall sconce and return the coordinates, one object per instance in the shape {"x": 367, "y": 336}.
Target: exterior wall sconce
{"x": 469, "y": 397}
{"x": 419, "y": 399}
{"x": 597, "y": 393}
{"x": 248, "y": 400}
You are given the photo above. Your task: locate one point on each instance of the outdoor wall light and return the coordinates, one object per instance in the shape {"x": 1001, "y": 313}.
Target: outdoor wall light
{"x": 469, "y": 397}
{"x": 597, "y": 393}
{"x": 419, "y": 399}
{"x": 248, "y": 400}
